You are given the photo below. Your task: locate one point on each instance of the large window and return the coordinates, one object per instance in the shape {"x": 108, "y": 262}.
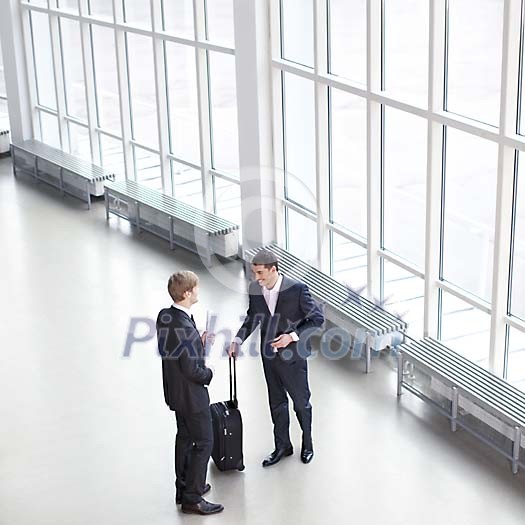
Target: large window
{"x": 147, "y": 105}
{"x": 405, "y": 186}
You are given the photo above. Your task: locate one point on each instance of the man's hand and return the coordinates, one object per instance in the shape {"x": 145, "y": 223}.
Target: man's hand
{"x": 282, "y": 341}
{"x": 234, "y": 349}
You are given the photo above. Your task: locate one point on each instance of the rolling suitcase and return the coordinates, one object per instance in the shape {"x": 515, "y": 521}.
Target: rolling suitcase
{"x": 227, "y": 429}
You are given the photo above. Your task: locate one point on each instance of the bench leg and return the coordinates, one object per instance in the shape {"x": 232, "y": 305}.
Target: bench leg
{"x": 516, "y": 449}
{"x": 368, "y": 356}
{"x": 171, "y": 233}
{"x": 106, "y": 204}
{"x": 137, "y": 222}
{"x": 454, "y": 409}
{"x": 399, "y": 374}
{"x": 13, "y": 160}
{"x": 88, "y": 195}
{"x": 61, "y": 182}
{"x": 36, "y": 169}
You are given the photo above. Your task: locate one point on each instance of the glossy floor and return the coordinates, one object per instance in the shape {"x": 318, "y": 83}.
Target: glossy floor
{"x": 86, "y": 438}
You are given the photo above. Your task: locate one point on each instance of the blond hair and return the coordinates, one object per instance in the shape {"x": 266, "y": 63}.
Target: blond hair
{"x": 181, "y": 282}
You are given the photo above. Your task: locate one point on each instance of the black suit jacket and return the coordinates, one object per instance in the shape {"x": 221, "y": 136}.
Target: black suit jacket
{"x": 295, "y": 311}
{"x": 184, "y": 372}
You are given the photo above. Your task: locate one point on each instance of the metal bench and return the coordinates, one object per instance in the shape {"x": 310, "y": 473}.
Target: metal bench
{"x": 59, "y": 169}
{"x": 370, "y": 325}
{"x": 173, "y": 220}
{"x": 4, "y": 140}
{"x": 469, "y": 396}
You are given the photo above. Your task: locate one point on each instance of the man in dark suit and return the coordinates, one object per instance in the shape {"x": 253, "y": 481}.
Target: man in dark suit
{"x": 185, "y": 379}
{"x": 287, "y": 314}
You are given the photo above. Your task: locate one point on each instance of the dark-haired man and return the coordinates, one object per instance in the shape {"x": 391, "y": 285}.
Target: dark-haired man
{"x": 287, "y": 314}
{"x": 185, "y": 379}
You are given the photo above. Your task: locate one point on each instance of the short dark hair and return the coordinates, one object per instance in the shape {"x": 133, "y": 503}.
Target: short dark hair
{"x": 267, "y": 259}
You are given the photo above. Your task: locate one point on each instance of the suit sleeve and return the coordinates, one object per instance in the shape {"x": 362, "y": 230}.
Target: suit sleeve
{"x": 313, "y": 316}
{"x": 188, "y": 359}
{"x": 250, "y": 321}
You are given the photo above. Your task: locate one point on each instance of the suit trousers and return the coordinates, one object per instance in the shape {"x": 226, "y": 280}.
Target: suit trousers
{"x": 282, "y": 378}
{"x": 193, "y": 446}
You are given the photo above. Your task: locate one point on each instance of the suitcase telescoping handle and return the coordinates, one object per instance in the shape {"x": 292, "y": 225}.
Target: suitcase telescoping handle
{"x": 233, "y": 381}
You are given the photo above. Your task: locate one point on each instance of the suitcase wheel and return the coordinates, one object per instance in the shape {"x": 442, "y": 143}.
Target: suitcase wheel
{"x": 241, "y": 468}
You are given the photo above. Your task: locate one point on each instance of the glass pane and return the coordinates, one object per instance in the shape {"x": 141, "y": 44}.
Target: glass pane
{"x": 225, "y": 142}
{"x": 68, "y": 5}
{"x": 42, "y": 3}
{"x": 228, "y": 200}
{"x": 404, "y": 296}
{"x": 348, "y": 39}
{"x": 516, "y": 363}
{"x": 518, "y": 267}
{"x": 142, "y": 90}
{"x": 297, "y": 31}
{"x": 73, "y": 69}
{"x": 101, "y": 8}
{"x": 465, "y": 329}
{"x": 147, "y": 168}
{"x": 137, "y": 12}
{"x": 470, "y": 200}
{"x": 2, "y": 79}
{"x": 178, "y": 17}
{"x": 187, "y": 184}
{"x": 349, "y": 264}
{"x": 474, "y": 58}
{"x": 49, "y": 126}
{"x": 521, "y": 115}
{"x": 348, "y": 160}
{"x": 106, "y": 79}
{"x": 112, "y": 155}
{"x": 299, "y": 229}
{"x": 405, "y": 171}
{"x": 299, "y": 133}
{"x": 79, "y": 141}
{"x": 219, "y": 21}
{"x": 182, "y": 102}
{"x": 4, "y": 114}
{"x": 406, "y": 50}
{"x": 43, "y": 60}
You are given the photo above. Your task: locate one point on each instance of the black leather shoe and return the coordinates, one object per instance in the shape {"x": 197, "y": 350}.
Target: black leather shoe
{"x": 307, "y": 455}
{"x": 276, "y": 456}
{"x": 203, "y": 507}
{"x": 178, "y": 497}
